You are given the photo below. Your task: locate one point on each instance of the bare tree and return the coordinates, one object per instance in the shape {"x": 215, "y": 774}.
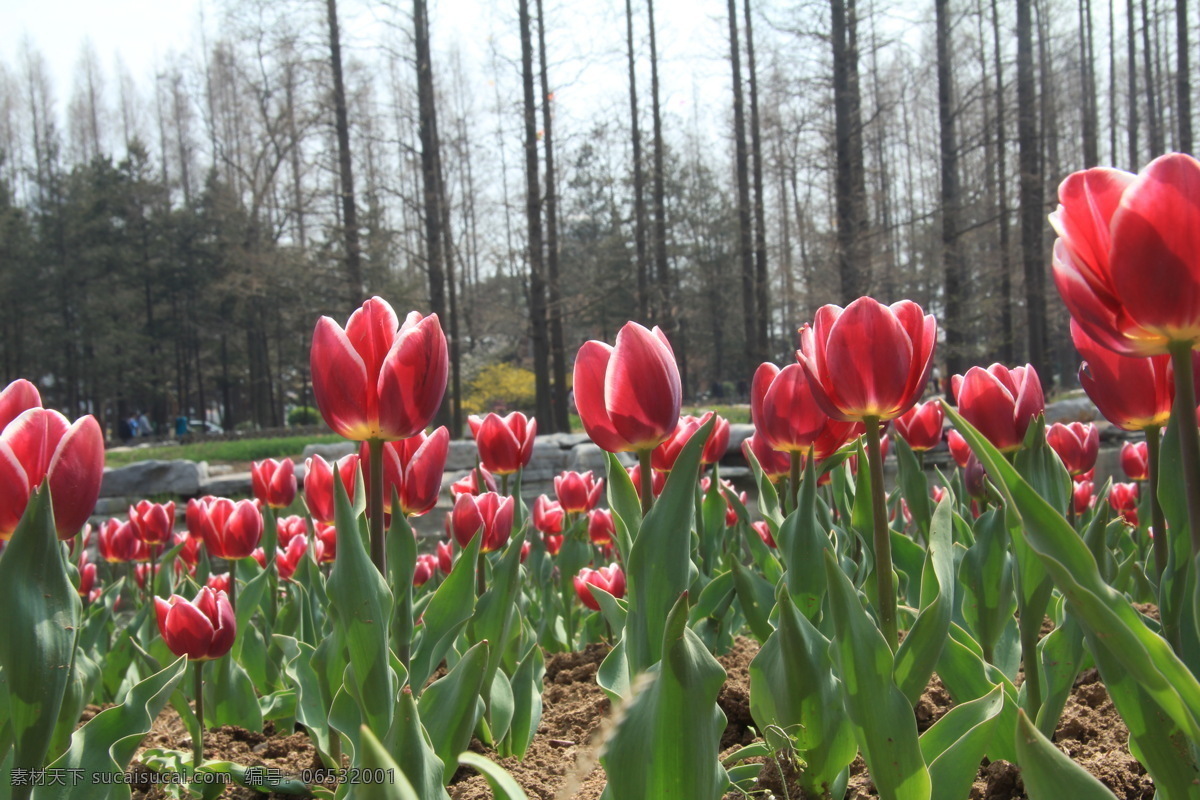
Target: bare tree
{"x": 354, "y": 273}
{"x": 1032, "y": 211}
{"x": 639, "y": 193}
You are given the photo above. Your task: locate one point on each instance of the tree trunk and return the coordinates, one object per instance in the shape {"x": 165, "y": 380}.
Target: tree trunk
{"x": 533, "y": 215}
{"x": 1032, "y": 210}
{"x": 745, "y": 248}
{"x": 849, "y": 182}
{"x": 1131, "y": 69}
{"x": 1008, "y": 345}
{"x": 761, "y": 282}
{"x": 354, "y": 274}
{"x": 435, "y": 258}
{"x": 1087, "y": 72}
{"x": 639, "y": 183}
{"x": 666, "y": 311}
{"x": 951, "y": 258}
{"x": 1183, "y": 85}
{"x": 1155, "y": 130}
{"x": 560, "y": 420}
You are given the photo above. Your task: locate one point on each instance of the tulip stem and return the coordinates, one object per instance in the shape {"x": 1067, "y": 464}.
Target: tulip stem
{"x": 883, "y": 539}
{"x": 233, "y": 583}
{"x": 1157, "y": 520}
{"x": 647, "y": 477}
{"x": 1184, "y": 418}
{"x": 198, "y": 742}
{"x": 375, "y": 505}
{"x": 504, "y": 484}
{"x": 793, "y": 494}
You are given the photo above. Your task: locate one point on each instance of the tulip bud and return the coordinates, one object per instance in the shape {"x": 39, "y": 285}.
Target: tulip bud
{"x": 202, "y": 629}
{"x": 274, "y": 482}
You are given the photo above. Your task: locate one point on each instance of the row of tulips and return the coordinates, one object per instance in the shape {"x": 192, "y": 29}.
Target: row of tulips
{"x": 851, "y": 567}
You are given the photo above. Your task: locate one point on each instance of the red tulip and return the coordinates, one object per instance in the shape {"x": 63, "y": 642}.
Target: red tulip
{"x": 547, "y": 515}
{"x": 658, "y": 480}
{"x": 938, "y": 493}
{"x": 960, "y": 451}
{"x": 143, "y": 573}
{"x": 87, "y": 577}
{"x": 118, "y": 542}
{"x": 764, "y": 532}
{"x": 288, "y": 527}
{"x": 413, "y": 467}
{"x": 1000, "y": 402}
{"x": 975, "y": 478}
{"x": 1077, "y": 444}
{"x": 731, "y": 517}
{"x": 1127, "y": 262}
{"x": 628, "y": 396}
{"x": 274, "y": 482}
{"x": 714, "y": 446}
{"x": 39, "y": 444}
{"x": 202, "y": 629}
{"x": 1131, "y": 392}
{"x": 17, "y": 398}
{"x": 231, "y": 530}
{"x": 611, "y": 579}
{"x": 787, "y": 417}
{"x": 488, "y": 514}
{"x": 445, "y": 557}
{"x": 921, "y": 425}
{"x": 477, "y": 481}
{"x": 552, "y": 542}
{"x": 287, "y": 561}
{"x": 601, "y": 528}
{"x": 868, "y": 360}
{"x": 1082, "y": 496}
{"x": 505, "y": 443}
{"x": 577, "y": 491}
{"x": 326, "y": 549}
{"x": 774, "y": 463}
{"x": 378, "y": 379}
{"x": 153, "y": 521}
{"x": 1123, "y": 498}
{"x": 426, "y": 564}
{"x": 218, "y": 583}
{"x": 190, "y": 553}
{"x": 318, "y": 484}
{"x": 1135, "y": 460}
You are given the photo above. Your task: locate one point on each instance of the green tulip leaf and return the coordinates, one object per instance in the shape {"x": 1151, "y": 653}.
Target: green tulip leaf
{"x": 375, "y": 757}
{"x": 447, "y": 613}
{"x": 410, "y": 745}
{"x": 452, "y": 706}
{"x": 1049, "y": 774}
{"x": 922, "y": 647}
{"x": 502, "y": 784}
{"x": 956, "y": 743}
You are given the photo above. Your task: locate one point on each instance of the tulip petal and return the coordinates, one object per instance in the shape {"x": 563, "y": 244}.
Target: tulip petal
{"x": 340, "y": 382}
{"x": 17, "y": 397}
{"x": 591, "y": 364}
{"x": 188, "y": 631}
{"x": 868, "y": 358}
{"x": 371, "y": 330}
{"x": 75, "y": 471}
{"x": 641, "y": 387}
{"x": 1156, "y": 248}
{"x": 225, "y": 627}
{"x": 412, "y": 381}
{"x": 14, "y": 491}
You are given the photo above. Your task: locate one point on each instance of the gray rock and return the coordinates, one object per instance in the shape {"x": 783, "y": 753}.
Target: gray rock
{"x": 462, "y": 455}
{"x": 565, "y": 440}
{"x": 738, "y": 433}
{"x": 146, "y": 478}
{"x": 228, "y": 485}
{"x": 590, "y": 456}
{"x": 329, "y": 452}
{"x": 1072, "y": 409}
{"x": 112, "y": 507}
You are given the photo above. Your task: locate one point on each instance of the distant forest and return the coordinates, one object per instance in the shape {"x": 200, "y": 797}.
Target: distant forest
{"x": 168, "y": 241}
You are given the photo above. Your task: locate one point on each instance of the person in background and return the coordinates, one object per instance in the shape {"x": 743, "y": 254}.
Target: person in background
{"x": 143, "y": 425}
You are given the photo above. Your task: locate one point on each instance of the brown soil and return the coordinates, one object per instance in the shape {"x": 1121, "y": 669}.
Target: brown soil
{"x": 562, "y": 760}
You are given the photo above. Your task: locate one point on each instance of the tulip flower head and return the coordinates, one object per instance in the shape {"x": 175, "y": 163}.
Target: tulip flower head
{"x": 1083, "y": 496}
{"x": 288, "y": 527}
{"x": 658, "y": 480}
{"x": 628, "y": 396}
{"x": 601, "y": 528}
{"x": 548, "y": 515}
{"x": 775, "y": 464}
{"x": 1132, "y": 392}
{"x": 488, "y": 515}
{"x": 764, "y": 532}
{"x": 318, "y": 483}
{"x": 231, "y": 530}
{"x": 38, "y": 445}
{"x": 189, "y": 553}
{"x": 379, "y": 379}
{"x": 1123, "y": 497}
{"x": 1126, "y": 262}
{"x": 1000, "y": 402}
{"x": 445, "y": 557}
{"x": 788, "y": 418}
{"x": 153, "y": 521}
{"x": 868, "y": 360}
{"x": 714, "y": 446}
{"x": 1077, "y": 444}
{"x": 118, "y": 542}
{"x": 413, "y": 468}
{"x": 288, "y": 561}
{"x": 274, "y": 482}
{"x": 427, "y": 563}
{"x": 921, "y": 425}
{"x": 611, "y": 579}
{"x": 505, "y": 443}
{"x": 17, "y": 398}
{"x": 202, "y": 629}
{"x": 578, "y": 491}
{"x": 218, "y": 583}
{"x": 476, "y": 482}
{"x": 87, "y": 578}
{"x": 1135, "y": 460}
{"x": 326, "y": 550}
